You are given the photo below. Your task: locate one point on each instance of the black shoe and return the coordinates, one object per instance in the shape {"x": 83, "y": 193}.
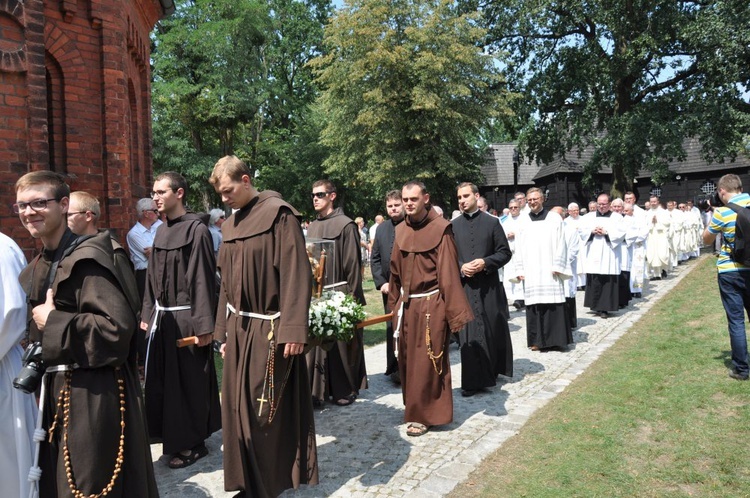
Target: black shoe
{"x": 736, "y": 375}
{"x": 395, "y": 377}
{"x": 664, "y": 274}
{"x": 604, "y": 314}
{"x": 467, "y": 393}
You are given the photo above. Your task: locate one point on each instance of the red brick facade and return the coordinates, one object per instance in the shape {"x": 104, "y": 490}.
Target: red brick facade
{"x": 75, "y": 98}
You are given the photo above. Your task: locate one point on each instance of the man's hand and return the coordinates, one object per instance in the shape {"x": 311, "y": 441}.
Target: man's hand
{"x": 293, "y": 348}
{"x": 41, "y": 312}
{"x": 147, "y": 252}
{"x": 510, "y": 235}
{"x": 144, "y": 326}
{"x": 385, "y": 288}
{"x": 473, "y": 267}
{"x": 204, "y": 340}
{"x": 222, "y": 349}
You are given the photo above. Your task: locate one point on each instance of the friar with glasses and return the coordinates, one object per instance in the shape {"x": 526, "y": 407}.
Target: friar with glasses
{"x": 340, "y": 373}
{"x": 182, "y": 395}
{"x": 602, "y": 232}
{"x": 83, "y": 317}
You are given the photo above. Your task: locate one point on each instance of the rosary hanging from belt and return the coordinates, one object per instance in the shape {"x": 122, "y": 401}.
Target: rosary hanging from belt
{"x": 269, "y": 379}
{"x": 430, "y": 353}
{"x": 63, "y": 407}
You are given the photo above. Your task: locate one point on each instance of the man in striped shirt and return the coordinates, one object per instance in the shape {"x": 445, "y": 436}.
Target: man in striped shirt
{"x": 734, "y": 278}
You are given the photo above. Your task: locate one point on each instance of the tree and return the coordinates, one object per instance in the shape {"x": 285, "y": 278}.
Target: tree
{"x": 631, "y": 78}
{"x": 407, "y": 92}
{"x": 226, "y": 74}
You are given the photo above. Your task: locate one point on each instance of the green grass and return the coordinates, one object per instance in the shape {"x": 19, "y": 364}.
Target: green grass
{"x": 656, "y": 415}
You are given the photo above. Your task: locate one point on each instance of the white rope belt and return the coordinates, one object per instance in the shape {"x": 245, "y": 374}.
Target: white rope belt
{"x": 35, "y": 472}
{"x": 158, "y": 310}
{"x": 401, "y": 308}
{"x": 333, "y": 286}
{"x": 249, "y": 314}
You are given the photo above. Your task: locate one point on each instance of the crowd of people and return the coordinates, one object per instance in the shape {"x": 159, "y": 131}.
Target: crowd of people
{"x": 123, "y": 343}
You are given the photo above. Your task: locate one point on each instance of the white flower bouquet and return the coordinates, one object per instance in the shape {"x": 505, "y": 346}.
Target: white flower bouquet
{"x": 334, "y": 316}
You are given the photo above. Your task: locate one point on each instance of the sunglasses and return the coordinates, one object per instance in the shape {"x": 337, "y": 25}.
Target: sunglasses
{"x": 319, "y": 195}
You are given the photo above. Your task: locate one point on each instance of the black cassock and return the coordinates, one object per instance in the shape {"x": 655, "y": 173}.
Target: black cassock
{"x": 486, "y": 348}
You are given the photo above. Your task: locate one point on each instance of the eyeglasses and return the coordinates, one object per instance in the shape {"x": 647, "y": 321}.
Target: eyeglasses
{"x": 71, "y": 213}
{"x": 319, "y": 195}
{"x": 155, "y": 211}
{"x": 35, "y": 205}
{"x": 160, "y": 193}
{"x": 514, "y": 207}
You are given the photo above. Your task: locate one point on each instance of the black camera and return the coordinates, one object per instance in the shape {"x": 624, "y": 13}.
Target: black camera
{"x": 715, "y": 200}
{"x": 32, "y": 369}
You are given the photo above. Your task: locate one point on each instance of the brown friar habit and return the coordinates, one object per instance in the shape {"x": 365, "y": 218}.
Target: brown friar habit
{"x": 341, "y": 371}
{"x": 486, "y": 346}
{"x": 182, "y": 395}
{"x": 92, "y": 327}
{"x": 265, "y": 269}
{"x": 424, "y": 258}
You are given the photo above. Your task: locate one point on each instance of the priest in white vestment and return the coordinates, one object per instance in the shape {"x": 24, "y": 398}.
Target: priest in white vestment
{"x": 512, "y": 226}
{"x": 637, "y": 251}
{"x": 658, "y": 249}
{"x": 17, "y": 409}
{"x": 602, "y": 233}
{"x": 541, "y": 265}
{"x": 579, "y": 273}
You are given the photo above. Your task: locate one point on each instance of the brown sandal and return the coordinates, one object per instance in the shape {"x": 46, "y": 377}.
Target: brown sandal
{"x": 347, "y": 400}
{"x": 417, "y": 429}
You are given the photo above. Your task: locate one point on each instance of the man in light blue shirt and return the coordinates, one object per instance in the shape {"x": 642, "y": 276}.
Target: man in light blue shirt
{"x": 140, "y": 238}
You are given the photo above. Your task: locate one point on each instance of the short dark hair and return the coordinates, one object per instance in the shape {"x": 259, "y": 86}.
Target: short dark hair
{"x": 415, "y": 183}
{"x": 327, "y": 184}
{"x": 176, "y": 180}
{"x": 474, "y": 188}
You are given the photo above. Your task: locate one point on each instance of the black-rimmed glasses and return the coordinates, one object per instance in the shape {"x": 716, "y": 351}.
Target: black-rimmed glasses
{"x": 35, "y": 205}
{"x": 160, "y": 193}
{"x": 319, "y": 195}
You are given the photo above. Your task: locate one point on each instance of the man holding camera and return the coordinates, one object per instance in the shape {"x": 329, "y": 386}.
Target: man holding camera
{"x": 82, "y": 322}
{"x": 734, "y": 278}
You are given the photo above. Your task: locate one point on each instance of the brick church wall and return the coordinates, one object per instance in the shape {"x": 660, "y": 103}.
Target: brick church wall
{"x": 75, "y": 98}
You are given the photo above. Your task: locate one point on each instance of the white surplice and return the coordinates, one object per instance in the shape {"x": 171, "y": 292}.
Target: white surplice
{"x": 658, "y": 249}
{"x": 541, "y": 252}
{"x": 511, "y": 225}
{"x": 17, "y": 409}
{"x": 602, "y": 253}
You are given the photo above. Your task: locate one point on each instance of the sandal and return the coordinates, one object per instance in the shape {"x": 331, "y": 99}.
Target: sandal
{"x": 196, "y": 453}
{"x": 347, "y": 400}
{"x": 416, "y": 429}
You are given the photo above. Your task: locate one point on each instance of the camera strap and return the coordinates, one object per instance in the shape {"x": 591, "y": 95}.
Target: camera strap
{"x": 68, "y": 242}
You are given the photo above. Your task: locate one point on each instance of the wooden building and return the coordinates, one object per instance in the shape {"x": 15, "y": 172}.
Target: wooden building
{"x": 561, "y": 179}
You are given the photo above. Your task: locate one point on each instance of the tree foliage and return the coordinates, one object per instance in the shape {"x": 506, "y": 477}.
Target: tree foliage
{"x": 407, "y": 93}
{"x": 230, "y": 78}
{"x": 632, "y": 78}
